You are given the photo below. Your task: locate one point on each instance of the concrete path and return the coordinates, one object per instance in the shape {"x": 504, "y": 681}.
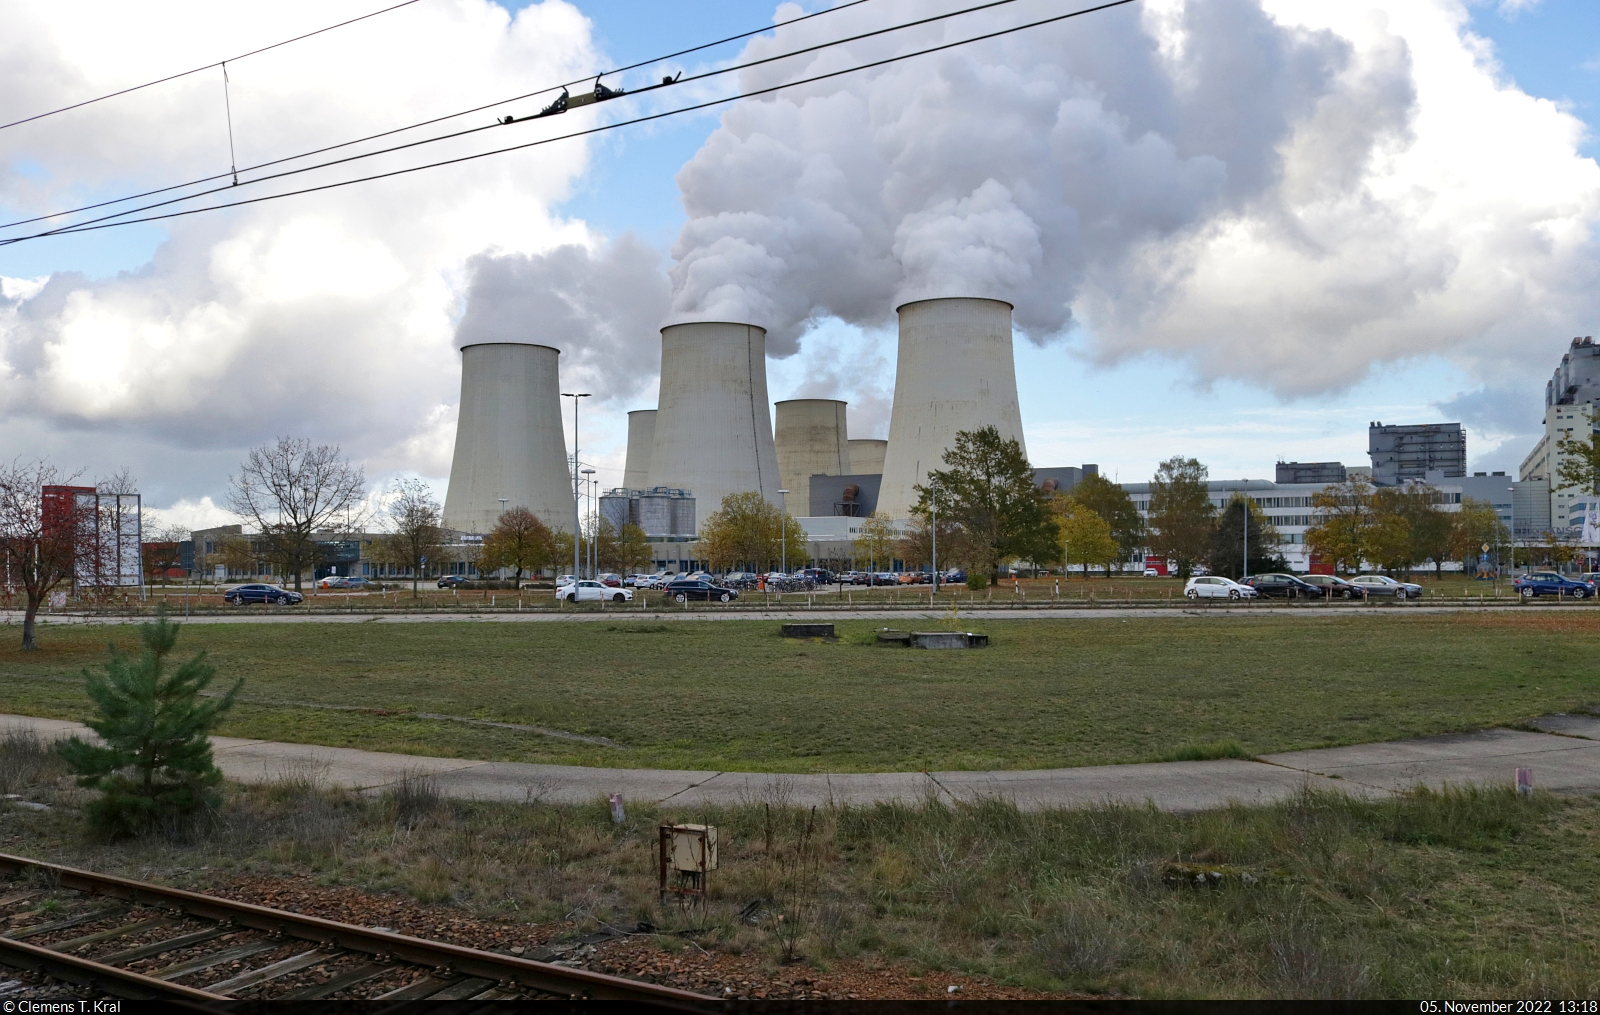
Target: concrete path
{"x": 1565, "y": 760}
{"x": 902, "y": 617}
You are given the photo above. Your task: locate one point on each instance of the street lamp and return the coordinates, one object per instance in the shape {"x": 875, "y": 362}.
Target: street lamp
{"x": 783, "y": 532}
{"x": 936, "y": 537}
{"x": 594, "y": 528}
{"x": 577, "y": 497}
{"x": 1244, "y": 566}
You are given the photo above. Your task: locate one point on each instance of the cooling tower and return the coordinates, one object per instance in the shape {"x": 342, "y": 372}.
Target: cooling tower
{"x": 509, "y": 442}
{"x": 866, "y": 457}
{"x": 811, "y": 439}
{"x": 954, "y": 372}
{"x": 641, "y": 435}
{"x": 713, "y": 427}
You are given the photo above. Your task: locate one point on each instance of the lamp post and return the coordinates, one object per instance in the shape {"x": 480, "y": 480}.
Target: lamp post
{"x": 1244, "y": 566}
{"x": 783, "y": 533}
{"x": 594, "y": 529}
{"x": 577, "y": 497}
{"x": 936, "y": 537}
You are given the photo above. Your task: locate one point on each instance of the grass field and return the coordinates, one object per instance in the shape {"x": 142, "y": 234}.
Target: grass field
{"x": 1474, "y": 894}
{"x": 735, "y": 696}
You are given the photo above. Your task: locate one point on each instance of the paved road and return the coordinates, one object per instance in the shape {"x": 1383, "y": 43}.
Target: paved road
{"x": 824, "y": 614}
{"x": 1566, "y": 759}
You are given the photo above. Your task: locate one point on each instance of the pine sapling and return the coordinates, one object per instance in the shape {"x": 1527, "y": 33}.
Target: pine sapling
{"x": 154, "y": 762}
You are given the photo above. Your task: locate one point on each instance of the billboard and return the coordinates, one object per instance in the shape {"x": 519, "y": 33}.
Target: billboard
{"x": 106, "y": 549}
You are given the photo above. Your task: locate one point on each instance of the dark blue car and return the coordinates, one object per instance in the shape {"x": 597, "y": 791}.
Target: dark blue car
{"x": 1548, "y": 583}
{"x": 246, "y": 594}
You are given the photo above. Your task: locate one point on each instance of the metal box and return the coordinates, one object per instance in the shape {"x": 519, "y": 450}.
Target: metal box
{"x": 694, "y": 848}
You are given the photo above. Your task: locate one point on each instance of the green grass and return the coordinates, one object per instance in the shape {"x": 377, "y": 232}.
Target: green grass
{"x": 735, "y": 696}
{"x": 1472, "y": 893}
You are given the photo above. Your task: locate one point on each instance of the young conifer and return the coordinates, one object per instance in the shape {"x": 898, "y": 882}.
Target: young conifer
{"x": 154, "y": 762}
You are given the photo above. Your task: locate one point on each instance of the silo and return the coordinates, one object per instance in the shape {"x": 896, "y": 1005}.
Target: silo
{"x": 954, "y": 372}
{"x": 811, "y": 439}
{"x": 866, "y": 457}
{"x": 713, "y": 424}
{"x": 509, "y": 443}
{"x": 641, "y": 435}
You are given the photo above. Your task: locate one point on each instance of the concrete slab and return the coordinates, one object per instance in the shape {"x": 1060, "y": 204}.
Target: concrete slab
{"x": 1170, "y": 786}
{"x": 1561, "y": 764}
{"x": 1586, "y": 726}
{"x": 565, "y": 784}
{"x": 856, "y": 789}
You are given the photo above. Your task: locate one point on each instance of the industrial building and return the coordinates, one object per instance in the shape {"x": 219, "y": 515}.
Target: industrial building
{"x": 1577, "y": 378}
{"x": 1326, "y": 473}
{"x": 811, "y": 437}
{"x": 866, "y": 456}
{"x": 510, "y": 447}
{"x": 641, "y": 440}
{"x": 1407, "y": 452}
{"x": 954, "y": 371}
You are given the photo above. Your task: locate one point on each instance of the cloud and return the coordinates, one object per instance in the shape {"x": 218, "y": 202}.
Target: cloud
{"x": 328, "y": 315}
{"x": 1285, "y": 192}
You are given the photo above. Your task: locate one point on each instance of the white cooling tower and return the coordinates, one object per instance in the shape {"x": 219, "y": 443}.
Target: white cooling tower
{"x": 641, "y": 436}
{"x": 954, "y": 372}
{"x": 811, "y": 440}
{"x": 509, "y": 441}
{"x": 866, "y": 457}
{"x": 713, "y": 424}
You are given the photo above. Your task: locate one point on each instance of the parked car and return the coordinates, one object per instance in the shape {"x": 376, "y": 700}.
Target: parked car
{"x": 1212, "y": 587}
{"x": 1283, "y": 586}
{"x": 590, "y": 591}
{"x": 915, "y": 578}
{"x": 1548, "y": 583}
{"x": 883, "y": 578}
{"x": 683, "y": 591}
{"x": 1333, "y": 586}
{"x": 1151, "y": 572}
{"x": 610, "y": 580}
{"x": 1383, "y": 585}
{"x": 450, "y": 581}
{"x": 820, "y": 575}
{"x": 642, "y": 581}
{"x": 334, "y": 581}
{"x": 954, "y": 577}
{"x": 245, "y": 594}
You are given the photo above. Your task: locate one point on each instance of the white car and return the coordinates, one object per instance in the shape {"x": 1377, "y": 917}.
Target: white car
{"x": 1151, "y": 572}
{"x": 1213, "y": 587}
{"x": 592, "y": 592}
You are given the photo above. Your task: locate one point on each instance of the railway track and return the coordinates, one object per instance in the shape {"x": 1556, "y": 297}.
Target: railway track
{"x": 129, "y": 939}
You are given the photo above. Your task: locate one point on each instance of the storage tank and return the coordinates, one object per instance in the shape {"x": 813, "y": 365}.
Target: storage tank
{"x": 509, "y": 441}
{"x": 811, "y": 439}
{"x": 641, "y": 436}
{"x": 713, "y": 422}
{"x": 866, "y": 457}
{"x": 954, "y": 372}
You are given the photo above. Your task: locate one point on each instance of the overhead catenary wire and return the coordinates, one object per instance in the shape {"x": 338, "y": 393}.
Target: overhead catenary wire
{"x": 81, "y": 228}
{"x": 430, "y": 122}
{"x": 197, "y": 70}
{"x": 78, "y": 226}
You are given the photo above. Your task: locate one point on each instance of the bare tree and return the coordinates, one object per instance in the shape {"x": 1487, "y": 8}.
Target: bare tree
{"x": 417, "y": 532}
{"x": 291, "y": 490}
{"x": 36, "y": 541}
{"x": 121, "y": 481}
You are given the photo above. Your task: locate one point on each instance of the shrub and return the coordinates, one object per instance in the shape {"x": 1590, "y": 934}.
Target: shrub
{"x": 154, "y": 763}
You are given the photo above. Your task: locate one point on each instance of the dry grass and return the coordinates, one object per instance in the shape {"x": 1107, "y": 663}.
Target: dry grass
{"x": 1463, "y": 893}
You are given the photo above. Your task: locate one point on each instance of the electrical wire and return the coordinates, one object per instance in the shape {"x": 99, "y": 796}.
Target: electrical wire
{"x": 431, "y": 122}
{"x": 216, "y": 63}
{"x": 474, "y": 130}
{"x": 82, "y": 228}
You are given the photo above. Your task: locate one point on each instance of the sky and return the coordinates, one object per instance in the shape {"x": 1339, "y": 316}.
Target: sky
{"x": 1255, "y": 291}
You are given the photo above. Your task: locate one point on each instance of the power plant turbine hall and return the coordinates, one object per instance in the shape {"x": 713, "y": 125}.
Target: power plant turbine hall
{"x": 713, "y": 428}
{"x": 812, "y": 439}
{"x": 954, "y": 372}
{"x": 510, "y": 448}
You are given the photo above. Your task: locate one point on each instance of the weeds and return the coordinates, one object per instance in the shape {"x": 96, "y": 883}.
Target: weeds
{"x": 1207, "y": 752}
{"x": 27, "y": 760}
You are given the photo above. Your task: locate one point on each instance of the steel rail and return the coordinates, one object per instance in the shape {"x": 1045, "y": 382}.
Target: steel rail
{"x": 122, "y": 983}
{"x": 507, "y": 970}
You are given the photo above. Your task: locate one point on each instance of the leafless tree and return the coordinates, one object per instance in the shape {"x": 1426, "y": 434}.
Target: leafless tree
{"x": 36, "y": 543}
{"x": 121, "y": 481}
{"x": 291, "y": 490}
{"x": 417, "y": 533}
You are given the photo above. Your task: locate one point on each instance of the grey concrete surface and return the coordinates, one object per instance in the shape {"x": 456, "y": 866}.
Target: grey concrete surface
{"x": 1586, "y": 726}
{"x": 1560, "y": 764}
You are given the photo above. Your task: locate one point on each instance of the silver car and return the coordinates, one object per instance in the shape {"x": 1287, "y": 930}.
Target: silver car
{"x": 1383, "y": 585}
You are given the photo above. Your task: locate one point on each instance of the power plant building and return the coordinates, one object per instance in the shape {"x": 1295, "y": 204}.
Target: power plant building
{"x": 641, "y": 440}
{"x": 510, "y": 448}
{"x": 713, "y": 427}
{"x": 954, "y": 371}
{"x": 1327, "y": 473}
{"x": 811, "y": 438}
{"x": 866, "y": 456}
{"x": 1400, "y": 453}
